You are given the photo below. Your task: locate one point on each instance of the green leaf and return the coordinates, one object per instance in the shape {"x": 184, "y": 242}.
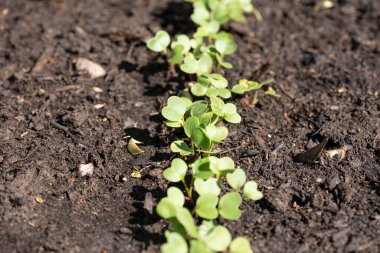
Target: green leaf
{"x": 218, "y": 81}
{"x": 174, "y": 124}
{"x": 236, "y": 179}
{"x": 210, "y": 186}
{"x": 175, "y": 109}
{"x": 221, "y": 166}
{"x": 205, "y": 64}
{"x": 217, "y": 105}
{"x": 229, "y": 206}
{"x": 177, "y": 171}
{"x": 201, "y": 168}
{"x": 240, "y": 245}
{"x": 199, "y": 108}
{"x": 167, "y": 207}
{"x": 208, "y": 118}
{"x": 251, "y": 192}
{"x": 181, "y": 147}
{"x": 159, "y": 42}
{"x": 225, "y": 46}
{"x": 216, "y": 134}
{"x": 205, "y": 228}
{"x": 200, "y": 13}
{"x": 206, "y": 206}
{"x": 186, "y": 219}
{"x": 183, "y": 41}
{"x": 223, "y": 63}
{"x": 193, "y": 66}
{"x": 199, "y": 89}
{"x": 239, "y": 89}
{"x": 200, "y": 139}
{"x": 230, "y": 114}
{"x": 218, "y": 239}
{"x": 175, "y": 243}
{"x": 190, "y": 124}
{"x": 177, "y": 55}
{"x": 197, "y": 246}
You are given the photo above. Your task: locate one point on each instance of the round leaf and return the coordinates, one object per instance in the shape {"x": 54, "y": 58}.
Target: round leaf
{"x": 250, "y": 191}
{"x": 197, "y": 246}
{"x": 198, "y": 108}
{"x": 236, "y": 179}
{"x": 159, "y": 42}
{"x": 175, "y": 243}
{"x": 198, "y": 89}
{"x": 218, "y": 81}
{"x": 175, "y": 109}
{"x": 240, "y": 245}
{"x": 177, "y": 171}
{"x": 210, "y": 186}
{"x": 206, "y": 206}
{"x": 229, "y": 206}
{"x": 201, "y": 168}
{"x": 216, "y": 134}
{"x": 218, "y": 239}
{"x": 181, "y": 147}
{"x": 166, "y": 208}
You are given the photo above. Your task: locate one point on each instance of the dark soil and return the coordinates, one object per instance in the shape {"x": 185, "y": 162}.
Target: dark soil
{"x": 327, "y": 67}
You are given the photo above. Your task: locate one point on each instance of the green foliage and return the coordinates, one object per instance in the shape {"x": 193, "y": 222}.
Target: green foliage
{"x": 202, "y": 117}
{"x": 160, "y": 42}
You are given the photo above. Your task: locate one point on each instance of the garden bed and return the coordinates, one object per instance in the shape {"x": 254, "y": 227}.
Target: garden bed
{"x": 326, "y": 66}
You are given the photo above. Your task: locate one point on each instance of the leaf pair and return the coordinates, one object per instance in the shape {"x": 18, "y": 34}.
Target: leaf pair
{"x": 237, "y": 179}
{"x": 211, "y": 85}
{"x": 207, "y": 206}
{"x": 200, "y": 66}
{"x": 245, "y": 86}
{"x": 174, "y": 111}
{"x": 226, "y": 111}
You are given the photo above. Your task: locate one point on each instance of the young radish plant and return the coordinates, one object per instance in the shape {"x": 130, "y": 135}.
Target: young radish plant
{"x": 195, "y": 201}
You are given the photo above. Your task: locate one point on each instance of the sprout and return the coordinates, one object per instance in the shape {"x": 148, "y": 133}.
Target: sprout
{"x": 240, "y": 245}
{"x": 177, "y": 171}
{"x": 251, "y": 191}
{"x": 229, "y": 206}
{"x": 159, "y": 42}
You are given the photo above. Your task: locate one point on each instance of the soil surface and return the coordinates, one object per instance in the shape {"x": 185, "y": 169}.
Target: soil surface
{"x": 326, "y": 64}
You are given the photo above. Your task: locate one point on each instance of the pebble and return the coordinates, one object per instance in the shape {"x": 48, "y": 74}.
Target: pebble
{"x": 86, "y": 169}
{"x": 92, "y": 68}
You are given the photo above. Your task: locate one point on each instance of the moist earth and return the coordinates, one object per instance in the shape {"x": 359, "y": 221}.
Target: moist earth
{"x": 326, "y": 64}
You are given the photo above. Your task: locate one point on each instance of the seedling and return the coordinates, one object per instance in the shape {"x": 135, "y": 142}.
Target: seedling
{"x": 195, "y": 200}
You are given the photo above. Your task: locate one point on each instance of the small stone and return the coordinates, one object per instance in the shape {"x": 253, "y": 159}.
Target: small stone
{"x": 86, "y": 169}
{"x": 148, "y": 202}
{"x": 333, "y": 182}
{"x": 94, "y": 69}
{"x": 39, "y": 200}
{"x": 125, "y": 230}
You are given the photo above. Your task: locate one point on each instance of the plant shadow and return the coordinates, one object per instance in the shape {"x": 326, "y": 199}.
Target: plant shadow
{"x": 144, "y": 217}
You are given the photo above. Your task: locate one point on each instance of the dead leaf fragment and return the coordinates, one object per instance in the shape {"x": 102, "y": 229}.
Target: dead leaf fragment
{"x": 39, "y": 200}
{"x": 136, "y": 173}
{"x": 93, "y": 68}
{"x": 86, "y": 169}
{"x": 133, "y": 148}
